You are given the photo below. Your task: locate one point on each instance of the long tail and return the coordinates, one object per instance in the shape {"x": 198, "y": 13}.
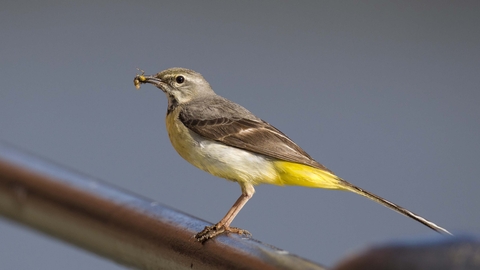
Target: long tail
{"x": 297, "y": 174}
{"x": 395, "y": 207}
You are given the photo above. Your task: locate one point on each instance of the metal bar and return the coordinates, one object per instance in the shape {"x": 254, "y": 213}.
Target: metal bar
{"x": 118, "y": 225}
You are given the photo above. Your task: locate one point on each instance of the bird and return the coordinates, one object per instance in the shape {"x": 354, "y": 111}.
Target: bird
{"x": 226, "y": 140}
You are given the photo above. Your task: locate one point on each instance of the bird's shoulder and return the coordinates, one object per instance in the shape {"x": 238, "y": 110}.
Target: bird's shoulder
{"x": 210, "y": 107}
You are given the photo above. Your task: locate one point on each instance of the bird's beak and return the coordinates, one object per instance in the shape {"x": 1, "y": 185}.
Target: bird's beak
{"x": 139, "y": 79}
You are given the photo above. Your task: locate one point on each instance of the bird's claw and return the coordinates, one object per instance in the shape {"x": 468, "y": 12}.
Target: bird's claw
{"x": 211, "y": 231}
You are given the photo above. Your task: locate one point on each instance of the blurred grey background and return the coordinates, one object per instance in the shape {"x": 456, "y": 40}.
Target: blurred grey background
{"x": 386, "y": 94}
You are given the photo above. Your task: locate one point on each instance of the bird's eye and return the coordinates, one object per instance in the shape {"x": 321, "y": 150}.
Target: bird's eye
{"x": 180, "y": 79}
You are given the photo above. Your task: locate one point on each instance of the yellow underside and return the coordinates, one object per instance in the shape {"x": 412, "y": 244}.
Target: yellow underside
{"x": 296, "y": 174}
{"x": 243, "y": 166}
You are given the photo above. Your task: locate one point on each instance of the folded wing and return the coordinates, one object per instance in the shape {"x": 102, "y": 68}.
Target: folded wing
{"x": 233, "y": 125}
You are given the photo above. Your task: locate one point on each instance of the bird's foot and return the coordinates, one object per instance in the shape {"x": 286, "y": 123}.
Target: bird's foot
{"x": 211, "y": 231}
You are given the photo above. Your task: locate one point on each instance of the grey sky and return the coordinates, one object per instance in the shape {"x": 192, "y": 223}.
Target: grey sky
{"x": 386, "y": 94}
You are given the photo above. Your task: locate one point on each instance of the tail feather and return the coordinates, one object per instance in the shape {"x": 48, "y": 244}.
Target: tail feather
{"x": 395, "y": 207}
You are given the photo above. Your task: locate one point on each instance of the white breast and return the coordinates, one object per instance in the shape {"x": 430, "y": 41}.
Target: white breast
{"x": 217, "y": 158}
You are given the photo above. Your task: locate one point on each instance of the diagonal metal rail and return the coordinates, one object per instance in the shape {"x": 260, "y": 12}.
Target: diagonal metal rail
{"x": 129, "y": 229}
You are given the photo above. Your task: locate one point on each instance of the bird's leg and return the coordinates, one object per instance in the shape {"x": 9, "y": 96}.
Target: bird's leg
{"x": 224, "y": 225}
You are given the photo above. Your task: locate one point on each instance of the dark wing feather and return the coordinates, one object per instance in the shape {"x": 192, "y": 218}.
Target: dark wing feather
{"x": 227, "y": 122}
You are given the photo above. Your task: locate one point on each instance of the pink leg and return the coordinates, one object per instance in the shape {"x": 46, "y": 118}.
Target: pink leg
{"x": 224, "y": 225}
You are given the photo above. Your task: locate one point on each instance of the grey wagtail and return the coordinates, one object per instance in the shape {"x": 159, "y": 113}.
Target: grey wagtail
{"x": 226, "y": 140}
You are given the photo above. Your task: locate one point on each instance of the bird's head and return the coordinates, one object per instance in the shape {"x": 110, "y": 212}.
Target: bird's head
{"x": 179, "y": 84}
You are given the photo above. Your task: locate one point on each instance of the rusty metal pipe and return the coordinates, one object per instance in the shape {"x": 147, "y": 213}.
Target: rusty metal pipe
{"x": 131, "y": 230}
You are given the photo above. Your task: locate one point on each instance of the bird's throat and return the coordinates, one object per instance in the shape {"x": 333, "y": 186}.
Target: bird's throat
{"x": 172, "y": 104}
